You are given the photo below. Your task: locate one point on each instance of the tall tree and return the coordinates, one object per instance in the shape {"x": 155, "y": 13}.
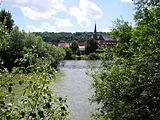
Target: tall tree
{"x": 74, "y": 47}
{"x": 91, "y": 46}
{"x": 6, "y": 19}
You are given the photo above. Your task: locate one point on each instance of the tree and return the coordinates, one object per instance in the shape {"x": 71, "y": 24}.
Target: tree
{"x": 68, "y": 53}
{"x": 74, "y": 47}
{"x": 20, "y": 42}
{"x": 91, "y": 46}
{"x": 130, "y": 89}
{"x": 121, "y": 32}
{"x": 6, "y": 19}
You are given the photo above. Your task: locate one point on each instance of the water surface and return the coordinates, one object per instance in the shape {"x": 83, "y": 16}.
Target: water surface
{"x": 75, "y": 84}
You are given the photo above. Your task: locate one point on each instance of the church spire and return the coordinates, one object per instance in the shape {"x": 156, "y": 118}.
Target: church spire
{"x": 95, "y": 32}
{"x": 95, "y": 29}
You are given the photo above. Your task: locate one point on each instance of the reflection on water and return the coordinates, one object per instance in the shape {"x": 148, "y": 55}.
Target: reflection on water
{"x": 75, "y": 84}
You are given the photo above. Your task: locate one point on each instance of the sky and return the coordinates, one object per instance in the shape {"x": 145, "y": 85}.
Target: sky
{"x": 68, "y": 15}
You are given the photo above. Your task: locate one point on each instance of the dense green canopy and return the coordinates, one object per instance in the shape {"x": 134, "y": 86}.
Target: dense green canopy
{"x": 129, "y": 88}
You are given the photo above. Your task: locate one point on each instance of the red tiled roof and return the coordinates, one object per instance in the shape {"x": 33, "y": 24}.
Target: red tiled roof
{"x": 63, "y": 44}
{"x": 104, "y": 43}
{"x": 81, "y": 43}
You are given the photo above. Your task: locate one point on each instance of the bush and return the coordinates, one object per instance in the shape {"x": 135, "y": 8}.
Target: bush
{"x": 84, "y": 57}
{"x": 76, "y": 57}
{"x": 68, "y": 52}
{"x": 93, "y": 56}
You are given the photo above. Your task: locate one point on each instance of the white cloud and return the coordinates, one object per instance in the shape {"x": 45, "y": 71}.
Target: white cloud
{"x": 39, "y": 9}
{"x": 63, "y": 22}
{"x": 126, "y": 0}
{"x": 90, "y": 9}
{"x": 44, "y": 27}
{"x": 32, "y": 28}
{"x": 106, "y": 30}
{"x": 85, "y": 11}
{"x": 82, "y": 20}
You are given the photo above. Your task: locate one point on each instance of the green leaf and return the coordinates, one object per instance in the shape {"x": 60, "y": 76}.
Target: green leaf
{"x": 21, "y": 82}
{"x": 33, "y": 115}
{"x": 22, "y": 114}
{"x": 48, "y": 105}
{"x": 41, "y": 114}
{"x": 63, "y": 108}
{"x": 10, "y": 89}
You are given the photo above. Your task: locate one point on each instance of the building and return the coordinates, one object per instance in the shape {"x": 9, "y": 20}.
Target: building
{"x": 63, "y": 45}
{"x": 103, "y": 40}
{"x": 81, "y": 45}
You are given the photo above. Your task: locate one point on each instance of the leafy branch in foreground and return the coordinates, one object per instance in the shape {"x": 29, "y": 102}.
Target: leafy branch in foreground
{"x": 37, "y": 100}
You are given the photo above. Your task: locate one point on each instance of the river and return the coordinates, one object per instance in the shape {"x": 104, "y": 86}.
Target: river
{"x": 75, "y": 84}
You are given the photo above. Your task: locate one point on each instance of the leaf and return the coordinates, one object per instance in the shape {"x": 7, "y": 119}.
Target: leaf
{"x": 41, "y": 114}
{"x": 48, "y": 105}
{"x": 62, "y": 114}
{"x": 33, "y": 115}
{"x": 63, "y": 108}
{"x": 2, "y": 103}
{"x": 21, "y": 82}
{"x": 10, "y": 89}
{"x": 22, "y": 114}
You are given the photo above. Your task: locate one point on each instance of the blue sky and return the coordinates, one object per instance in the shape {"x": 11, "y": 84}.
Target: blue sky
{"x": 68, "y": 15}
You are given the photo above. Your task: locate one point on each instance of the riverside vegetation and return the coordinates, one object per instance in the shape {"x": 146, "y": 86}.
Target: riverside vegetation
{"x": 129, "y": 89}
{"x": 32, "y": 63}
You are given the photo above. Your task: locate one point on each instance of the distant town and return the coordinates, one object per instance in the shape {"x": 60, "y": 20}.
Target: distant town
{"x": 104, "y": 40}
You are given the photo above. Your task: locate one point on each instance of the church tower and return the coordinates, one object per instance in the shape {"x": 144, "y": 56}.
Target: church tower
{"x": 95, "y": 32}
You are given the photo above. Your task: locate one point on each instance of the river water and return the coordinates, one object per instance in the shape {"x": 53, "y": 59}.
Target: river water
{"x": 74, "y": 84}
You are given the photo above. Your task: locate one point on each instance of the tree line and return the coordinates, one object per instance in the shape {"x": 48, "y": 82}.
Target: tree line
{"x": 67, "y": 37}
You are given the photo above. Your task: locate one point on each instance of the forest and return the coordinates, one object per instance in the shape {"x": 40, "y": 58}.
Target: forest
{"x": 67, "y": 37}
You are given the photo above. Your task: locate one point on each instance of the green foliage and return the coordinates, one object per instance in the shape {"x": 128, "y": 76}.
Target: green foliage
{"x": 37, "y": 100}
{"x": 128, "y": 88}
{"x": 20, "y": 42}
{"x": 84, "y": 57}
{"x": 68, "y": 55}
{"x": 91, "y": 46}
{"x": 93, "y": 56}
{"x": 74, "y": 47}
{"x": 33, "y": 62}
{"x": 63, "y": 36}
{"x": 107, "y": 55}
{"x": 121, "y": 32}
{"x": 4, "y": 36}
{"x": 52, "y": 37}
{"x": 6, "y": 19}
{"x": 76, "y": 57}
{"x": 62, "y": 41}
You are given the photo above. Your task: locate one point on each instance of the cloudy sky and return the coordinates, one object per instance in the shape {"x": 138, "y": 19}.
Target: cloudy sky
{"x": 68, "y": 15}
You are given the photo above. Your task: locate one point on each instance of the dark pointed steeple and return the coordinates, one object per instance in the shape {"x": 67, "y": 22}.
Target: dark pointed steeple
{"x": 95, "y": 32}
{"x": 95, "y": 29}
